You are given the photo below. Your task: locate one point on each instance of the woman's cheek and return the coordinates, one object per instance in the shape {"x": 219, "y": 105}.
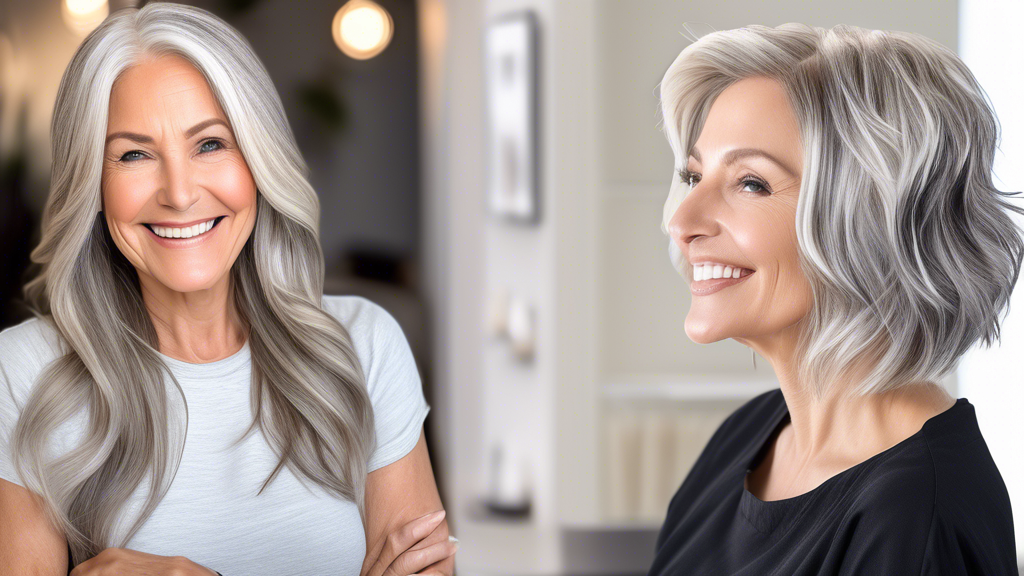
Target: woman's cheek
{"x": 232, "y": 183}
{"x": 124, "y": 195}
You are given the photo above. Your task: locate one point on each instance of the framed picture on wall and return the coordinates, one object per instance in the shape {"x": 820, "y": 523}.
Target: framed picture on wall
{"x": 510, "y": 62}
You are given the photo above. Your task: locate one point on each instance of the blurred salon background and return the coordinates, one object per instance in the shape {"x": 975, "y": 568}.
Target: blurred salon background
{"x": 492, "y": 172}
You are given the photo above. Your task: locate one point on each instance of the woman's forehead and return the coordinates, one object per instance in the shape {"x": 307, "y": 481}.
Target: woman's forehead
{"x": 157, "y": 89}
{"x": 751, "y": 113}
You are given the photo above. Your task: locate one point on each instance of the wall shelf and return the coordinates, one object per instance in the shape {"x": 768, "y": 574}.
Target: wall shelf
{"x": 687, "y": 387}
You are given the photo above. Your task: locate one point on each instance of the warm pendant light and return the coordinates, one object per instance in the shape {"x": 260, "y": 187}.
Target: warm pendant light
{"x": 362, "y": 29}
{"x": 82, "y": 16}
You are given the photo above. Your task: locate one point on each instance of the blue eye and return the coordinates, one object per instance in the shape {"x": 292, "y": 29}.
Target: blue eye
{"x": 759, "y": 186}
{"x": 129, "y": 156}
{"x": 203, "y": 147}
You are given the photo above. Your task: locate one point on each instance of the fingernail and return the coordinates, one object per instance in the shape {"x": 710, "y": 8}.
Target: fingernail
{"x": 436, "y": 517}
{"x": 453, "y": 539}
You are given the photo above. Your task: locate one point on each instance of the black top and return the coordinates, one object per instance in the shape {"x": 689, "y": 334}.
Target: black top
{"x": 933, "y": 504}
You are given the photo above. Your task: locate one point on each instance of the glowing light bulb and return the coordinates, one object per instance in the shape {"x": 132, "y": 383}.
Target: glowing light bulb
{"x": 84, "y": 6}
{"x": 362, "y": 29}
{"x": 82, "y": 16}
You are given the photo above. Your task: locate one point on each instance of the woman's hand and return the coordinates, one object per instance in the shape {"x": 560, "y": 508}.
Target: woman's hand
{"x": 421, "y": 545}
{"x": 124, "y": 562}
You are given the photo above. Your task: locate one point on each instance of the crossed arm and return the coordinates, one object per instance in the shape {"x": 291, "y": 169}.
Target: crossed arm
{"x": 398, "y": 539}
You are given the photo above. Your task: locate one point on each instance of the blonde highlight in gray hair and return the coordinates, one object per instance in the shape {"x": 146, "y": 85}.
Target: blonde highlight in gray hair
{"x": 308, "y": 391}
{"x": 910, "y": 249}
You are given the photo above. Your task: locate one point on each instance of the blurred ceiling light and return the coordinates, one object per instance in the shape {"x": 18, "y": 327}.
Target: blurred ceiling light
{"x": 82, "y": 16}
{"x": 362, "y": 29}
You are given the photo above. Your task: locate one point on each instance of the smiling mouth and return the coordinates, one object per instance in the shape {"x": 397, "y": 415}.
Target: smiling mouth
{"x": 216, "y": 221}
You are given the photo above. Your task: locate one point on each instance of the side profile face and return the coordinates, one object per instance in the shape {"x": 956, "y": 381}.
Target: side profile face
{"x": 172, "y": 167}
{"x": 745, "y": 169}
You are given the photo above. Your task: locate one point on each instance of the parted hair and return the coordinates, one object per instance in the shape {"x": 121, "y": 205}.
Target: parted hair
{"x": 910, "y": 250}
{"x": 308, "y": 392}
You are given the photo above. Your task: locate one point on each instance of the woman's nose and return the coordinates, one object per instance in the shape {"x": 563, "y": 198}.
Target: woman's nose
{"x": 696, "y": 214}
{"x": 178, "y": 189}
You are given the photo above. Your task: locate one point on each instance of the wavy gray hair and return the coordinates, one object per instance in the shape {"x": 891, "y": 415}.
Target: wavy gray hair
{"x": 909, "y": 248}
{"x": 308, "y": 389}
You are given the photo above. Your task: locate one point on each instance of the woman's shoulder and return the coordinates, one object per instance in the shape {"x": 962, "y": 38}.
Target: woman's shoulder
{"x": 26, "y": 348}
{"x": 376, "y": 336}
{"x": 354, "y": 311}
{"x": 949, "y": 461}
{"x": 968, "y": 484}
{"x": 31, "y": 332}
{"x": 943, "y": 484}
{"x": 368, "y": 324}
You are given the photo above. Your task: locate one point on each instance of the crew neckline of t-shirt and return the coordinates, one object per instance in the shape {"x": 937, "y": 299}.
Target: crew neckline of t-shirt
{"x": 217, "y": 368}
{"x": 766, "y": 515}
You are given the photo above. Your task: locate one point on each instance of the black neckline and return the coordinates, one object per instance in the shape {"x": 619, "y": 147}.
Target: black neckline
{"x": 766, "y": 514}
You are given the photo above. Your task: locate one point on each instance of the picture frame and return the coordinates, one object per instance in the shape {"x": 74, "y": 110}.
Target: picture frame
{"x": 511, "y": 73}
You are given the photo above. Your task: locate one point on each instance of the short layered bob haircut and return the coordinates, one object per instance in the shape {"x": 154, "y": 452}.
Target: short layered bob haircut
{"x": 910, "y": 250}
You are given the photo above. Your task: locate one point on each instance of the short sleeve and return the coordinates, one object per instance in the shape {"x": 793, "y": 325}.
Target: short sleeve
{"x": 392, "y": 379}
{"x": 949, "y": 549}
{"x": 943, "y": 554}
{"x": 960, "y": 549}
{"x": 9, "y": 413}
{"x": 24, "y": 350}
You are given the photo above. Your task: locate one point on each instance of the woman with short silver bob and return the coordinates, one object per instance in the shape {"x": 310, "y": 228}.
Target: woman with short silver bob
{"x": 833, "y": 209}
{"x": 166, "y": 111}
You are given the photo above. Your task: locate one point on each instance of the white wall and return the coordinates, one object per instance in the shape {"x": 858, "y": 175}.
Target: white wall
{"x": 993, "y": 378}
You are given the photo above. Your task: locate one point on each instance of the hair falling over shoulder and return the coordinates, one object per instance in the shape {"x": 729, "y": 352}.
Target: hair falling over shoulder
{"x": 308, "y": 389}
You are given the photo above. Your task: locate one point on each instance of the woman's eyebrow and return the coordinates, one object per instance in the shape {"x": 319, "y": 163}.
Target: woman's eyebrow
{"x": 204, "y": 125}
{"x": 143, "y": 139}
{"x": 140, "y": 138}
{"x": 741, "y": 153}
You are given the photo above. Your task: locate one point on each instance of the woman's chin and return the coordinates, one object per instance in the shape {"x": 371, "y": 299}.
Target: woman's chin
{"x": 188, "y": 282}
{"x": 703, "y": 332}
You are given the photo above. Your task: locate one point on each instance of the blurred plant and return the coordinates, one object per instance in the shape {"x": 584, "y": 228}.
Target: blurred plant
{"x": 322, "y": 101}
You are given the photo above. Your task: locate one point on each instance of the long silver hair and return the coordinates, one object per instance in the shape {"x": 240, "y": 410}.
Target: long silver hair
{"x": 910, "y": 249}
{"x": 308, "y": 391}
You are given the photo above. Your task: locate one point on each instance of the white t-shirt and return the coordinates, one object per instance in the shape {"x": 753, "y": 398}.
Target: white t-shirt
{"x": 211, "y": 513}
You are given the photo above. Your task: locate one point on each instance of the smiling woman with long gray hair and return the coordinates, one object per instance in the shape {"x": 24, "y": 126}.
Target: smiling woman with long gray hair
{"x": 180, "y": 290}
{"x": 833, "y": 209}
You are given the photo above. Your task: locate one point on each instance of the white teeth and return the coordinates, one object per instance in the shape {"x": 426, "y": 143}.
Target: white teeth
{"x": 187, "y": 232}
{"x": 709, "y": 271}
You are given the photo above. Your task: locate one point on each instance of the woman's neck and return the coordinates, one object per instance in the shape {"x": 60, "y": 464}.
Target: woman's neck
{"x": 840, "y": 429}
{"x": 197, "y": 327}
